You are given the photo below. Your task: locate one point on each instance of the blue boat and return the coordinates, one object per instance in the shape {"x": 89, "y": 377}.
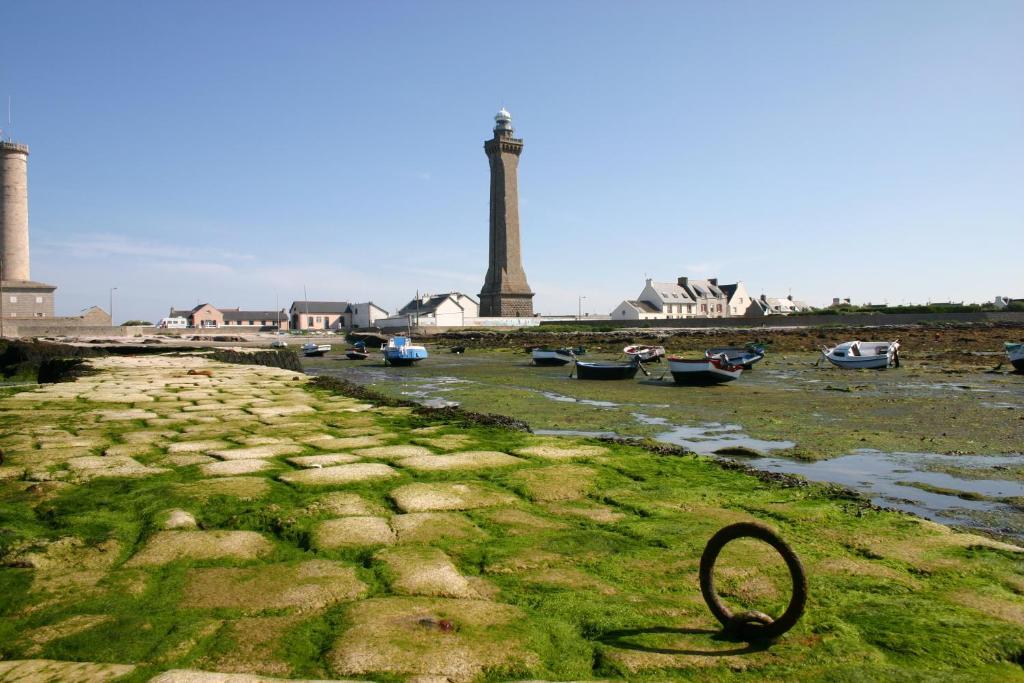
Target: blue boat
{"x": 401, "y": 351}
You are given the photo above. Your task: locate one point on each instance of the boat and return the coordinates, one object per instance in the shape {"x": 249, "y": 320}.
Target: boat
{"x": 872, "y": 355}
{"x": 311, "y": 349}
{"x": 458, "y": 349}
{"x": 705, "y": 371}
{"x": 547, "y": 356}
{"x": 356, "y": 354}
{"x": 401, "y": 351}
{"x": 608, "y": 370}
{"x": 1015, "y": 352}
{"x": 647, "y": 354}
{"x": 738, "y": 355}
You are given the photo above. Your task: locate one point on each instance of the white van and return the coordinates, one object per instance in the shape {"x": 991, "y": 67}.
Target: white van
{"x": 173, "y": 323}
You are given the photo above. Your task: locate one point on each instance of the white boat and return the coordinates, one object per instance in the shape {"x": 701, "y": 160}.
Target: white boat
{"x": 647, "y": 354}
{"x": 872, "y": 355}
{"x": 1015, "y": 352}
{"x": 703, "y": 371}
{"x": 311, "y": 349}
{"x": 546, "y": 356}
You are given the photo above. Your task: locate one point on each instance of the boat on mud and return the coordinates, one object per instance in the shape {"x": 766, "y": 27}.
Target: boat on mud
{"x": 738, "y": 355}
{"x": 608, "y": 370}
{"x": 458, "y": 349}
{"x": 401, "y": 351}
{"x": 646, "y": 354}
{"x": 871, "y": 355}
{"x": 548, "y": 356}
{"x": 312, "y": 349}
{"x": 1015, "y": 352}
{"x": 357, "y": 352}
{"x": 703, "y": 372}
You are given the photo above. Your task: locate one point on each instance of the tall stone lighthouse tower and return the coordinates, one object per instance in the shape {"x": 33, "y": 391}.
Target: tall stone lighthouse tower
{"x": 20, "y": 297}
{"x": 505, "y": 293}
{"x": 14, "y": 210}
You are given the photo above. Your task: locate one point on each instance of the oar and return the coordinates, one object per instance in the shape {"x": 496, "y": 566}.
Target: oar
{"x": 643, "y": 369}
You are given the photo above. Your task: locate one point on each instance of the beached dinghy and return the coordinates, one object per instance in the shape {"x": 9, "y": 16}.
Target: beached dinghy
{"x": 703, "y": 372}
{"x": 401, "y": 351}
{"x": 1015, "y": 352}
{"x": 312, "y": 349}
{"x": 546, "y": 356}
{"x": 738, "y": 355}
{"x": 873, "y": 355}
{"x": 595, "y": 370}
{"x": 646, "y": 354}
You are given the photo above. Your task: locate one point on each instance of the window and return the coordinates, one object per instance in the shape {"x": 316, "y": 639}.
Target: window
{"x": 39, "y": 299}
{"x": 309, "y": 322}
{"x": 14, "y": 299}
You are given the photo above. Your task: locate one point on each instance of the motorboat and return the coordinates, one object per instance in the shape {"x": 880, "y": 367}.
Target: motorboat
{"x": 548, "y": 356}
{"x": 608, "y": 370}
{"x": 1015, "y": 352}
{"x": 401, "y": 351}
{"x": 738, "y": 355}
{"x": 646, "y": 354}
{"x": 312, "y": 349}
{"x": 872, "y": 355}
{"x": 705, "y": 371}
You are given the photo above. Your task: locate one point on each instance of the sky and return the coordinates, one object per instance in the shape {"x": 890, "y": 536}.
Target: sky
{"x": 250, "y": 154}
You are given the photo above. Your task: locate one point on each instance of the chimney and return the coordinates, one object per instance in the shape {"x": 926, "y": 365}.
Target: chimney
{"x": 648, "y": 282}
{"x": 790, "y": 297}
{"x": 713, "y": 281}
{"x": 764, "y": 297}
{"x": 846, "y": 300}
{"x": 835, "y": 301}
{"x": 682, "y": 281}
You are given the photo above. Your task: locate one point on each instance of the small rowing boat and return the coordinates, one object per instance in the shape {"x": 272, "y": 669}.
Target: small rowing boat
{"x": 738, "y": 355}
{"x": 356, "y": 354}
{"x": 705, "y": 371}
{"x": 547, "y": 356}
{"x": 606, "y": 370}
{"x": 312, "y": 349}
{"x": 874, "y": 355}
{"x": 646, "y": 354}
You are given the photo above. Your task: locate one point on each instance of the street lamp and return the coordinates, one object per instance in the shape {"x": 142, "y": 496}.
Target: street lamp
{"x": 112, "y": 305}
{"x": 579, "y": 308}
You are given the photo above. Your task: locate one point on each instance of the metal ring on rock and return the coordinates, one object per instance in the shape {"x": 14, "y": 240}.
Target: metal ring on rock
{"x": 752, "y": 625}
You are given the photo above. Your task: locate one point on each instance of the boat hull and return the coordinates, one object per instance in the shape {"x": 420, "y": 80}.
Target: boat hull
{"x": 858, "y": 355}
{"x": 1015, "y": 354}
{"x": 647, "y": 354}
{"x": 860, "y": 362}
{"x": 607, "y": 371}
{"x": 702, "y": 372}
{"x": 357, "y": 355}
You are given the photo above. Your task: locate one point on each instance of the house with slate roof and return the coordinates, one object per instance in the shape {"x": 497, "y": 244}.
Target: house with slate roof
{"x": 451, "y": 309}
{"x": 209, "y": 316}
{"x": 684, "y": 298}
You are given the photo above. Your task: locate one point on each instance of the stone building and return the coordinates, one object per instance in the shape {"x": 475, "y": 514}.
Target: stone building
{"x": 20, "y": 296}
{"x": 505, "y": 292}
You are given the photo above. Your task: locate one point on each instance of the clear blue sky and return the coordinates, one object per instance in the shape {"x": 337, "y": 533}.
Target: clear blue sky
{"x": 233, "y": 152}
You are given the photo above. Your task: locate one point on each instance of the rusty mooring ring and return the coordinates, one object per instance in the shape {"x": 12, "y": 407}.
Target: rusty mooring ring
{"x": 752, "y": 625}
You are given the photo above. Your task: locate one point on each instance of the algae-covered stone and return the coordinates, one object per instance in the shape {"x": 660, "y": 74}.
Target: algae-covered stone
{"x": 51, "y": 671}
{"x": 469, "y": 460}
{"x": 549, "y": 452}
{"x": 198, "y": 676}
{"x": 353, "y": 531}
{"x": 408, "y": 637}
{"x": 243, "y": 488}
{"x": 520, "y": 522}
{"x": 392, "y": 452}
{"x": 227, "y": 468}
{"x": 308, "y": 586}
{"x": 197, "y": 446}
{"x": 446, "y": 442}
{"x": 167, "y": 546}
{"x": 448, "y": 496}
{"x": 426, "y": 527}
{"x": 422, "y": 570}
{"x": 340, "y": 474}
{"x": 93, "y": 466}
{"x": 558, "y": 482}
{"x": 179, "y": 519}
{"x": 343, "y": 505}
{"x": 264, "y": 451}
{"x": 322, "y": 460}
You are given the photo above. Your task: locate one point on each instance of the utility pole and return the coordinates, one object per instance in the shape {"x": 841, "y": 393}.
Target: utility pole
{"x": 112, "y": 305}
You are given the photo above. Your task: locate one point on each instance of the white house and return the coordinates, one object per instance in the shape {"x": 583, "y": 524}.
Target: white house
{"x": 453, "y": 309}
{"x": 770, "y": 305}
{"x": 684, "y": 298}
{"x": 740, "y": 301}
{"x": 365, "y": 314}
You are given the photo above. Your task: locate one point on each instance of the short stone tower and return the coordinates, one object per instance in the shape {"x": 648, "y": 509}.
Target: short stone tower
{"x": 505, "y": 293}
{"x": 14, "y": 210}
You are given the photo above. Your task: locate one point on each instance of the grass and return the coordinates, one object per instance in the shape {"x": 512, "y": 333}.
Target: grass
{"x": 599, "y": 596}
